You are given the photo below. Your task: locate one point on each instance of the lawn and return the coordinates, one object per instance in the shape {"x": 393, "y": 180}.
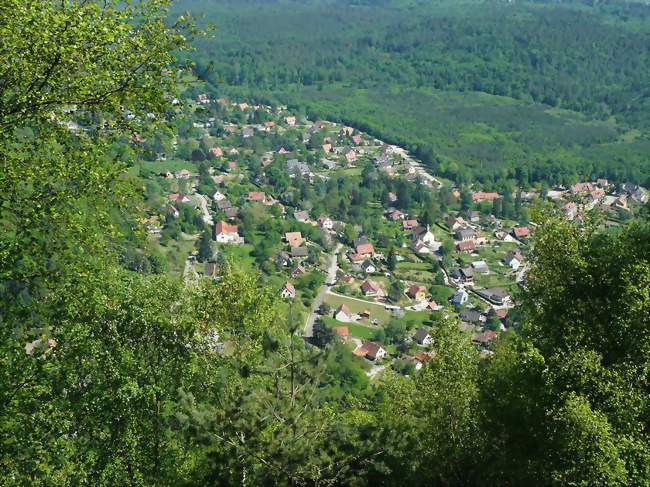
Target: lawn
{"x": 440, "y": 294}
{"x": 238, "y": 255}
{"x": 377, "y": 311}
{"x": 176, "y": 253}
{"x": 356, "y": 330}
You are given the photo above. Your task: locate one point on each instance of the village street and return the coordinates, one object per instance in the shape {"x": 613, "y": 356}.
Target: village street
{"x": 308, "y": 331}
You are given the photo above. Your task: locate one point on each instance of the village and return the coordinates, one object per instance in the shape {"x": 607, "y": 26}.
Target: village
{"x": 361, "y": 242}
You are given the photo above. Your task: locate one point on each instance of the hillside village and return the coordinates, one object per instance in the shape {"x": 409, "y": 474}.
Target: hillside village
{"x": 360, "y": 241}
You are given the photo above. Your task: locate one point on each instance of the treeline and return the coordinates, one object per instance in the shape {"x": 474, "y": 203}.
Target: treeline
{"x": 560, "y": 56}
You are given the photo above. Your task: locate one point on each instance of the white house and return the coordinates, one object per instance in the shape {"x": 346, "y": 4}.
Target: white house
{"x": 343, "y": 314}
{"x": 368, "y": 267}
{"x": 422, "y": 337}
{"x": 218, "y": 196}
{"x": 288, "y": 291}
{"x": 226, "y": 233}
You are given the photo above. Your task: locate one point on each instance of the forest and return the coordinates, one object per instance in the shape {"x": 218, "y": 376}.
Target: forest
{"x": 366, "y": 62}
{"x": 115, "y": 375}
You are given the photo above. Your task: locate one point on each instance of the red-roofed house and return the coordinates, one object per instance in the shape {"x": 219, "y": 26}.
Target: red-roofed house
{"x": 370, "y": 288}
{"x": 288, "y": 291}
{"x": 417, "y": 292}
{"x": 257, "y": 196}
{"x": 466, "y": 246}
{"x": 520, "y": 232}
{"x": 409, "y": 224}
{"x": 342, "y": 331}
{"x": 227, "y": 233}
{"x": 482, "y": 196}
{"x": 366, "y": 249}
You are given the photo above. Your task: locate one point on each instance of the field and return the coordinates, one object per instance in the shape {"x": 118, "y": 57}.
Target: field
{"x": 356, "y": 330}
{"x": 377, "y": 311}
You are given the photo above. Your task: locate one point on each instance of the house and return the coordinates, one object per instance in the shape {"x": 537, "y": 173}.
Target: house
{"x": 226, "y": 233}
{"x": 371, "y": 288}
{"x": 326, "y": 223}
{"x": 232, "y": 166}
{"x": 417, "y": 292}
{"x": 183, "y": 174}
{"x": 603, "y": 183}
{"x": 513, "y": 259}
{"x": 395, "y": 215}
{"x": 297, "y": 271}
{"x": 520, "y": 232}
{"x": 343, "y": 314}
{"x": 455, "y": 223}
{"x": 341, "y": 331}
{"x": 299, "y": 252}
{"x": 294, "y": 239}
{"x": 392, "y": 197}
{"x": 290, "y": 120}
{"x": 282, "y": 151}
{"x": 223, "y": 204}
{"x": 581, "y": 188}
{"x": 422, "y": 337}
{"x": 269, "y": 125}
{"x": 301, "y": 216}
{"x": 419, "y": 247}
{"x": 432, "y": 306}
{"x": 297, "y": 168}
{"x": 178, "y": 198}
{"x": 459, "y": 298}
{"x": 470, "y": 316}
{"x": 216, "y": 152}
{"x": 570, "y": 210}
{"x": 354, "y": 257}
{"x": 203, "y": 98}
{"x": 257, "y": 196}
{"x": 218, "y": 196}
{"x": 288, "y": 291}
{"x": 346, "y": 131}
{"x": 466, "y": 246}
{"x": 356, "y": 139}
{"x": 374, "y": 351}
{"x": 479, "y": 196}
{"x": 640, "y": 195}
{"x": 282, "y": 259}
{"x": 327, "y": 148}
{"x": 231, "y": 213}
{"x": 350, "y": 155}
{"x": 495, "y": 295}
{"x": 484, "y": 339}
{"x": 409, "y": 225}
{"x": 365, "y": 249}
{"x": 368, "y": 267}
{"x": 425, "y": 235}
{"x": 465, "y": 234}
{"x": 481, "y": 267}
{"x": 467, "y": 275}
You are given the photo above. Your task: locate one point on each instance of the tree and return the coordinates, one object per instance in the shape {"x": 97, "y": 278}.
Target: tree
{"x": 205, "y": 246}
{"x": 323, "y": 334}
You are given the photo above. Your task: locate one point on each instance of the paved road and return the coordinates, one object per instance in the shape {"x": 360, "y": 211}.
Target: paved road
{"x": 203, "y": 203}
{"x": 308, "y": 330}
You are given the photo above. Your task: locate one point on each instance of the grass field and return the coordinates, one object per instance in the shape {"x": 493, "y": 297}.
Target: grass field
{"x": 377, "y": 311}
{"x": 356, "y": 330}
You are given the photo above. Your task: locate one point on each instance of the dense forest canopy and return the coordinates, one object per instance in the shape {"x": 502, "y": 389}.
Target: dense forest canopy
{"x": 591, "y": 59}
